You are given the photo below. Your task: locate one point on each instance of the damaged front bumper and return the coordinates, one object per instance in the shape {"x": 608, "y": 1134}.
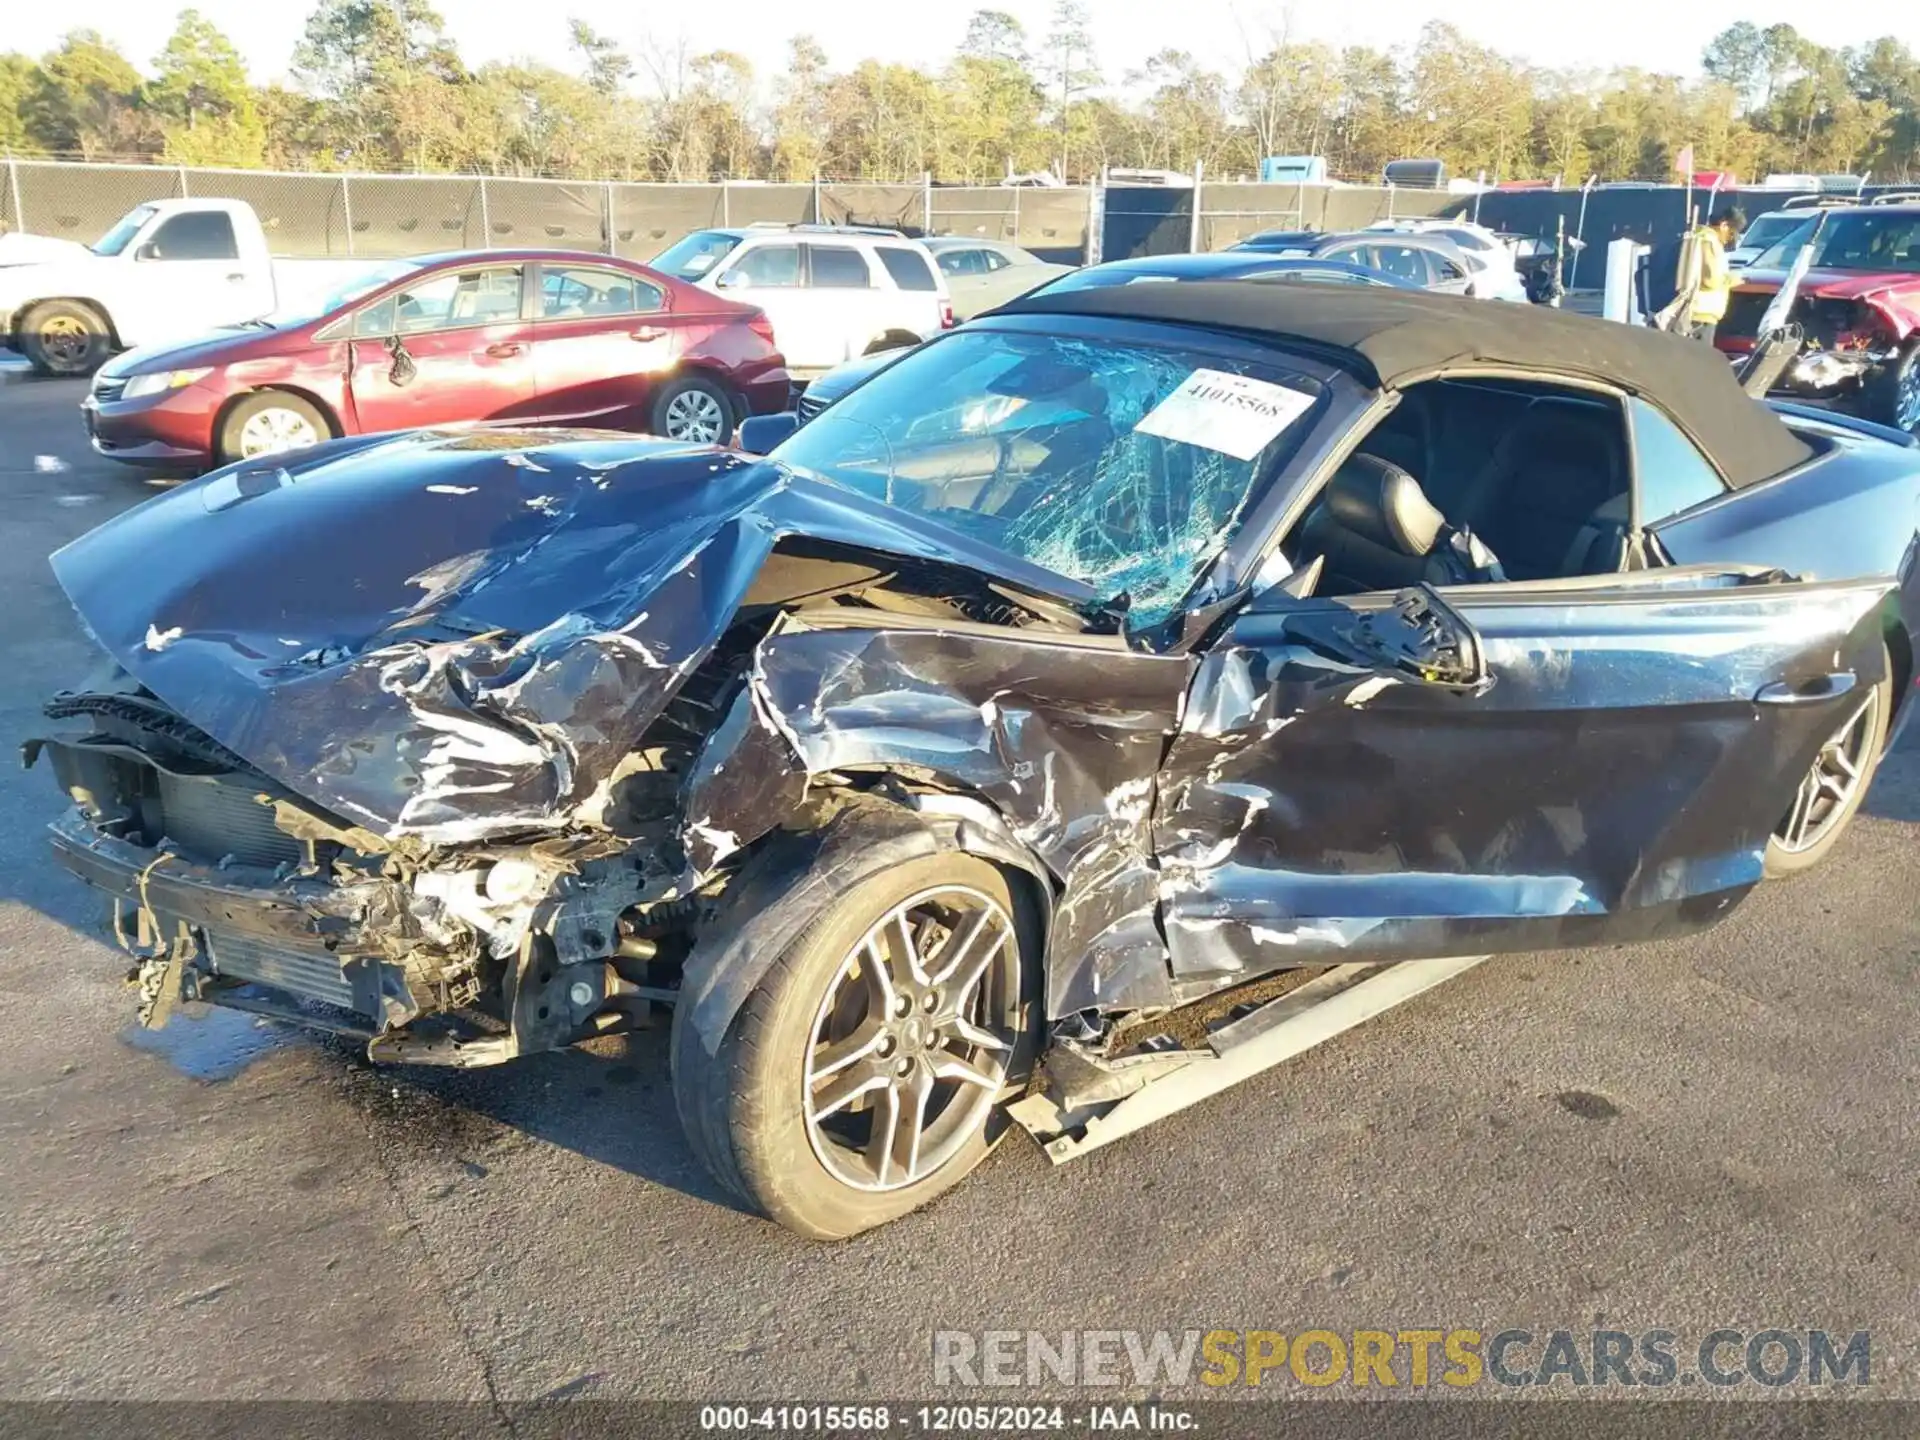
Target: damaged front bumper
{"x": 199, "y": 935}
{"x": 228, "y": 893}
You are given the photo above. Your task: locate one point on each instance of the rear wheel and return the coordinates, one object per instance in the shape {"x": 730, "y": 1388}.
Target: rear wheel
{"x": 694, "y": 409}
{"x": 864, "y": 1074}
{"x": 64, "y": 337}
{"x": 268, "y": 422}
{"x": 1830, "y": 793}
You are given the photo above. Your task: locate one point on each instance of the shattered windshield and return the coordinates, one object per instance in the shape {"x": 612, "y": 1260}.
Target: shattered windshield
{"x": 1123, "y": 466}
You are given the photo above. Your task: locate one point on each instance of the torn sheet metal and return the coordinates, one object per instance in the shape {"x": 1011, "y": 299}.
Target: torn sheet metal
{"x": 433, "y": 638}
{"x": 1062, "y": 736}
{"x": 1317, "y": 806}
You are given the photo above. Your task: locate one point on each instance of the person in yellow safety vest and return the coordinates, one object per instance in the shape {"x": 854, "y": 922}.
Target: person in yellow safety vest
{"x": 1713, "y": 280}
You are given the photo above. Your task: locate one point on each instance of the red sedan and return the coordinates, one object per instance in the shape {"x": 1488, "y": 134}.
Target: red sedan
{"x": 508, "y": 336}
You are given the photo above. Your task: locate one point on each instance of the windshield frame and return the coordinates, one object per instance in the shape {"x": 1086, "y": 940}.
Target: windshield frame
{"x": 1278, "y": 475}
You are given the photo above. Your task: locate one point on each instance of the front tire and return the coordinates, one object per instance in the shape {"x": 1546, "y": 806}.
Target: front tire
{"x": 1831, "y": 792}
{"x": 864, "y": 1074}
{"x": 694, "y": 409}
{"x": 269, "y": 422}
{"x": 65, "y": 338}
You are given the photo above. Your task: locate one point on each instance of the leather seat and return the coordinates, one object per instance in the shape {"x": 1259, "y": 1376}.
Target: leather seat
{"x": 1543, "y": 482}
{"x": 1376, "y": 528}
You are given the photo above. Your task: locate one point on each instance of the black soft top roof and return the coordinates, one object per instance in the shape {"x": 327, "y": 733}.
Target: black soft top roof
{"x": 1393, "y": 337}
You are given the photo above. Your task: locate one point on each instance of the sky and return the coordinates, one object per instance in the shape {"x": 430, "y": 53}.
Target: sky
{"x": 1653, "y": 34}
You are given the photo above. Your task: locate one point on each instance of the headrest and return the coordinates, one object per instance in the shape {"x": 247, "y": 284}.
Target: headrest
{"x": 1377, "y": 499}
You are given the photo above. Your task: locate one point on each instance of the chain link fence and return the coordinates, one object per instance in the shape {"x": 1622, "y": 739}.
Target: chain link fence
{"x": 386, "y": 216}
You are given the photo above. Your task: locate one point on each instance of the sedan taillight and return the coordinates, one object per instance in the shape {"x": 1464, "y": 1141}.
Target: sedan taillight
{"x": 761, "y": 325}
{"x": 947, "y": 322}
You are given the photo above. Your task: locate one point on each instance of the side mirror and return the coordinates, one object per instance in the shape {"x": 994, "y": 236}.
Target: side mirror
{"x": 148, "y": 251}
{"x": 764, "y": 434}
{"x": 731, "y": 280}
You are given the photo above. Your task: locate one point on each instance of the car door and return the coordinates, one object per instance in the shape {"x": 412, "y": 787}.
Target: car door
{"x": 449, "y": 347}
{"x": 1496, "y": 767}
{"x": 849, "y": 294}
{"x": 773, "y": 276}
{"x": 602, "y": 338}
{"x": 198, "y": 281}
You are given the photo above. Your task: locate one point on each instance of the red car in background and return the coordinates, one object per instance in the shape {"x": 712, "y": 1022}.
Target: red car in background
{"x": 1858, "y": 305}
{"x": 545, "y": 337}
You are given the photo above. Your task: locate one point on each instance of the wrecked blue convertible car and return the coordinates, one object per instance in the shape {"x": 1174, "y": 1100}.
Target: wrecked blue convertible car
{"x": 1099, "y": 666}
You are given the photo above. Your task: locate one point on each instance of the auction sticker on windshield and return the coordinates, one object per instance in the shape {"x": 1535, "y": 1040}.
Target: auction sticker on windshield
{"x": 1234, "y": 414}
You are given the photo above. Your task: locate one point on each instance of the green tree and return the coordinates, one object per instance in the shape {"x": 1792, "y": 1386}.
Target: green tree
{"x": 18, "y": 77}
{"x": 1737, "y": 57}
{"x": 85, "y": 101}
{"x": 205, "y": 105}
{"x": 391, "y": 75}
{"x": 608, "y": 67}
{"x": 1071, "y": 74}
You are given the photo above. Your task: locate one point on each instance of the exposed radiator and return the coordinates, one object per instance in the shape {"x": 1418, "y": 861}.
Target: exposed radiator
{"x": 311, "y": 974}
{"x": 212, "y": 819}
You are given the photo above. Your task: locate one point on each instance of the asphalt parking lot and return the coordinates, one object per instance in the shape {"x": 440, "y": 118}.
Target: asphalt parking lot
{"x": 1690, "y": 1136}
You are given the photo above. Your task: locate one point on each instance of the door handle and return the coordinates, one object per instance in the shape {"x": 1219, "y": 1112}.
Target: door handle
{"x": 504, "y": 349}
{"x": 647, "y": 332}
{"x": 237, "y": 277}
{"x": 1808, "y": 692}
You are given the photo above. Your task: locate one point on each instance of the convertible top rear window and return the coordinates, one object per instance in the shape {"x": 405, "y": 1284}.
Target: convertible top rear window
{"x": 1092, "y": 458}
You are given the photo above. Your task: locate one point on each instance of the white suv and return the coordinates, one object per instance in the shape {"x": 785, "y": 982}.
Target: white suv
{"x": 1495, "y": 276}
{"x": 833, "y": 292}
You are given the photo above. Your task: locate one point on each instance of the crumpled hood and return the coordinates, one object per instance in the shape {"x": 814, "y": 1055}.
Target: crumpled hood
{"x": 459, "y": 634}
{"x": 1897, "y": 294}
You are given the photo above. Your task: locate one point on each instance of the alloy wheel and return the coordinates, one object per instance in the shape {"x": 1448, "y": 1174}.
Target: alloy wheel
{"x": 270, "y": 431}
{"x": 65, "y": 340}
{"x": 695, "y": 415}
{"x": 1906, "y": 401}
{"x": 1826, "y": 794}
{"x": 909, "y": 1048}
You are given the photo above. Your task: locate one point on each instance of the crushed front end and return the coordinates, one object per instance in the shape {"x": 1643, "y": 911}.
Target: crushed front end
{"x": 225, "y": 888}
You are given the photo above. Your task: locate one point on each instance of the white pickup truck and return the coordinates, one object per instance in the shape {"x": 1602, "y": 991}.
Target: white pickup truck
{"x": 169, "y": 270}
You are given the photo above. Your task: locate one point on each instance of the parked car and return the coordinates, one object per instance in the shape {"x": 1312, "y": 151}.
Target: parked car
{"x": 1858, "y": 304}
{"x": 1490, "y": 256}
{"x": 1300, "y": 240}
{"x": 912, "y": 781}
{"x": 982, "y": 274}
{"x": 164, "y": 272}
{"x": 1226, "y": 265}
{"x": 1430, "y": 261}
{"x": 521, "y": 336}
{"x": 1766, "y": 231}
{"x": 1215, "y": 265}
{"x": 831, "y": 291}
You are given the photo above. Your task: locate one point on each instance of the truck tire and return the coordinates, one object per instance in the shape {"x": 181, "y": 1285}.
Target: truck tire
{"x": 865, "y": 1073}
{"x": 268, "y": 422}
{"x": 65, "y": 337}
{"x": 1893, "y": 395}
